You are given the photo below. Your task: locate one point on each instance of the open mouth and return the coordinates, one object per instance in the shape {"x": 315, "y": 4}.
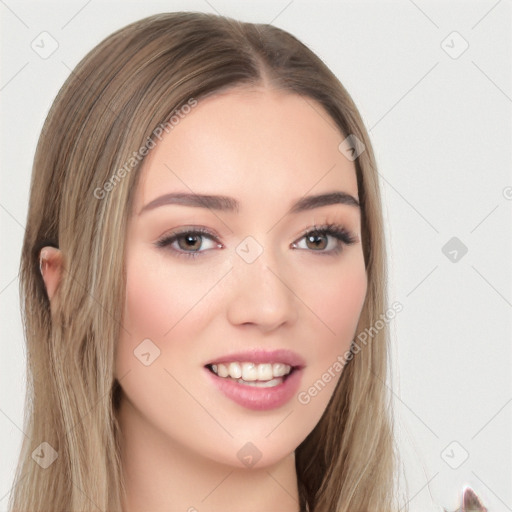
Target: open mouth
{"x": 259, "y": 380}
{"x": 263, "y": 375}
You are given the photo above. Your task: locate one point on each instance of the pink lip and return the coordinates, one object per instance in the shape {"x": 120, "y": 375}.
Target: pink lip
{"x": 258, "y": 399}
{"x": 262, "y": 356}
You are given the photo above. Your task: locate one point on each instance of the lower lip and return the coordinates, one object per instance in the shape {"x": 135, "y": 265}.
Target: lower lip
{"x": 258, "y": 399}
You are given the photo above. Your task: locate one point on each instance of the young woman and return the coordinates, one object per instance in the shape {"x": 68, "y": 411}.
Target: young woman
{"x": 203, "y": 277}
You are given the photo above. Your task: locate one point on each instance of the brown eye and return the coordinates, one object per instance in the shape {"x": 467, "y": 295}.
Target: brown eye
{"x": 327, "y": 239}
{"x": 189, "y": 242}
{"x": 316, "y": 241}
{"x": 192, "y": 242}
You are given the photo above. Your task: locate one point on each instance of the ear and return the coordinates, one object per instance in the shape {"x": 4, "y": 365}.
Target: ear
{"x": 50, "y": 264}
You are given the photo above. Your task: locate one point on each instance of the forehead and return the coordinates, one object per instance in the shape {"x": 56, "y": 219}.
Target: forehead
{"x": 258, "y": 145}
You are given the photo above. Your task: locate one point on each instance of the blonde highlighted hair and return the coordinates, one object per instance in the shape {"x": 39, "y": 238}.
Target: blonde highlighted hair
{"x": 106, "y": 111}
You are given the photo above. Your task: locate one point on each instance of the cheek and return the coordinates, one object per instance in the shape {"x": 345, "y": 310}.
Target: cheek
{"x": 343, "y": 303}
{"x": 161, "y": 298}
{"x": 167, "y": 307}
{"x": 158, "y": 304}
{"x": 146, "y": 315}
{"x": 336, "y": 299}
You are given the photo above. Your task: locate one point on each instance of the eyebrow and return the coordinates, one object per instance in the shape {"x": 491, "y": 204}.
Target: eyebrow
{"x": 225, "y": 203}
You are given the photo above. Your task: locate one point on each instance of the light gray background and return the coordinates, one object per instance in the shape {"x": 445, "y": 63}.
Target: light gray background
{"x": 441, "y": 129}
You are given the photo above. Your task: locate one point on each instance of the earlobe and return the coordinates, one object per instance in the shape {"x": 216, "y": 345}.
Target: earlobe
{"x": 50, "y": 265}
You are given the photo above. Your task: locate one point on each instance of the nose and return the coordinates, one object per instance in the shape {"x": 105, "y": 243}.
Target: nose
{"x": 262, "y": 295}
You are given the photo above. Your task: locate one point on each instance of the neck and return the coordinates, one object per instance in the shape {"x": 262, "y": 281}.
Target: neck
{"x": 163, "y": 475}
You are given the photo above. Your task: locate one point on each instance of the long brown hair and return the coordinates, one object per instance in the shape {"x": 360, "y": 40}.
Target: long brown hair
{"x": 106, "y": 111}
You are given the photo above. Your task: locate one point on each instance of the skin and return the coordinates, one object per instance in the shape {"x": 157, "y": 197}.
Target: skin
{"x": 266, "y": 149}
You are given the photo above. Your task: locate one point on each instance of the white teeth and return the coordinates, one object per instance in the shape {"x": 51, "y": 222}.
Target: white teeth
{"x": 252, "y": 372}
{"x": 222, "y": 371}
{"x": 265, "y": 372}
{"x": 249, "y": 372}
{"x": 235, "y": 370}
{"x": 280, "y": 369}
{"x": 262, "y": 384}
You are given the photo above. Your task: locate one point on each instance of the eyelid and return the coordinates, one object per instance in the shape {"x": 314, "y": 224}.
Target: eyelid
{"x": 343, "y": 236}
{"x": 169, "y": 238}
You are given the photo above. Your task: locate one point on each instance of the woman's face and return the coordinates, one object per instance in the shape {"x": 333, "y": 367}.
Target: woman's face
{"x": 225, "y": 272}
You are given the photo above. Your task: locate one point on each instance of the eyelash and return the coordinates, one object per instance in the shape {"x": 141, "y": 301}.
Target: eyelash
{"x": 338, "y": 232}
{"x": 169, "y": 239}
{"x": 341, "y": 234}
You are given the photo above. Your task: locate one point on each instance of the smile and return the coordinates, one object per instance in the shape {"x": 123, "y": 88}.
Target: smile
{"x": 257, "y": 380}
{"x": 253, "y": 374}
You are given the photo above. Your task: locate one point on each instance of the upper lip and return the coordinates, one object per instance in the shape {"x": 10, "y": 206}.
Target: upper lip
{"x": 261, "y": 356}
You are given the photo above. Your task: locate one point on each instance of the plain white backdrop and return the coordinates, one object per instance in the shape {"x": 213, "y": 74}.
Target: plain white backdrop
{"x": 433, "y": 83}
